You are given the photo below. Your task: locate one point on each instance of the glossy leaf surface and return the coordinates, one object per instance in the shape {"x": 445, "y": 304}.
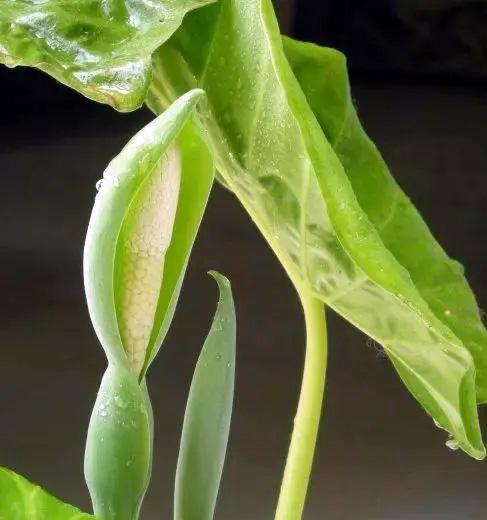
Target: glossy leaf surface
{"x": 322, "y": 74}
{"x": 208, "y": 415}
{"x": 102, "y": 49}
{"x": 273, "y": 154}
{"x": 22, "y": 500}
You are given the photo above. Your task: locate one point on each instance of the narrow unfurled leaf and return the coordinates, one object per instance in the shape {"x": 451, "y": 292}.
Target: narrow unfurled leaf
{"x": 156, "y": 188}
{"x": 22, "y": 500}
{"x": 102, "y": 49}
{"x": 273, "y": 154}
{"x": 207, "y": 419}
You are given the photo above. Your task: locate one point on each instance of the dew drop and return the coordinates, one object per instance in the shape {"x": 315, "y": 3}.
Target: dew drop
{"x": 99, "y": 184}
{"x": 121, "y": 403}
{"x": 452, "y": 444}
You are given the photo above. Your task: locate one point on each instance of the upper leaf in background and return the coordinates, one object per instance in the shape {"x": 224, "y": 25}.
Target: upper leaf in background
{"x": 142, "y": 228}
{"x": 273, "y": 154}
{"x": 22, "y": 500}
{"x": 101, "y": 49}
{"x": 208, "y": 414}
{"x": 322, "y": 74}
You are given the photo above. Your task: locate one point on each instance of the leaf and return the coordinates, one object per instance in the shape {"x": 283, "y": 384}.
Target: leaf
{"x": 208, "y": 414}
{"x": 322, "y": 74}
{"x": 273, "y": 154}
{"x": 22, "y": 500}
{"x": 131, "y": 252}
{"x": 102, "y": 49}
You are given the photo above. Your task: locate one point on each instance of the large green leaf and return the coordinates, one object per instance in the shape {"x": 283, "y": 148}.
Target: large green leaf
{"x": 322, "y": 74}
{"x": 102, "y": 49}
{"x": 118, "y": 220}
{"x": 273, "y": 154}
{"x": 207, "y": 419}
{"x": 22, "y": 500}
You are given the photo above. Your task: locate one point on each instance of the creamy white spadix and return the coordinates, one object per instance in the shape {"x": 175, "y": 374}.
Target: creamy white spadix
{"x": 145, "y": 237}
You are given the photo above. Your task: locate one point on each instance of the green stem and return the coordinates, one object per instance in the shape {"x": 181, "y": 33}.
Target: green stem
{"x": 301, "y": 450}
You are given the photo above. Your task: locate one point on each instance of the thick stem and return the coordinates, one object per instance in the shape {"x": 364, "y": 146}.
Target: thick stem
{"x": 301, "y": 450}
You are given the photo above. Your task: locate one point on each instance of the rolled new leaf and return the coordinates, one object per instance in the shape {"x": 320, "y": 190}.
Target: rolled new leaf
{"x": 273, "y": 154}
{"x": 144, "y": 221}
{"x": 101, "y": 49}
{"x": 22, "y": 500}
{"x": 208, "y": 414}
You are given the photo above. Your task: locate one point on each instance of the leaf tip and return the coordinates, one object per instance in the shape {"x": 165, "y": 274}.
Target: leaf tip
{"x": 221, "y": 280}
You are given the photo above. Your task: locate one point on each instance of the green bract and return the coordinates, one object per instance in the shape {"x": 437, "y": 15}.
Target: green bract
{"x": 21, "y": 500}
{"x": 101, "y": 49}
{"x": 311, "y": 204}
{"x": 155, "y": 189}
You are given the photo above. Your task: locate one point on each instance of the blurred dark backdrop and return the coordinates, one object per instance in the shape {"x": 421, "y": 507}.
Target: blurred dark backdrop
{"x": 402, "y": 38}
{"x": 419, "y": 72}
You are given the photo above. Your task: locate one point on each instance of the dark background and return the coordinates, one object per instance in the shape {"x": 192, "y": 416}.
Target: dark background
{"x": 419, "y": 75}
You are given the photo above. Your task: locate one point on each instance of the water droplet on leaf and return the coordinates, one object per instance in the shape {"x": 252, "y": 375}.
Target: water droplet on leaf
{"x": 121, "y": 403}
{"x": 452, "y": 444}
